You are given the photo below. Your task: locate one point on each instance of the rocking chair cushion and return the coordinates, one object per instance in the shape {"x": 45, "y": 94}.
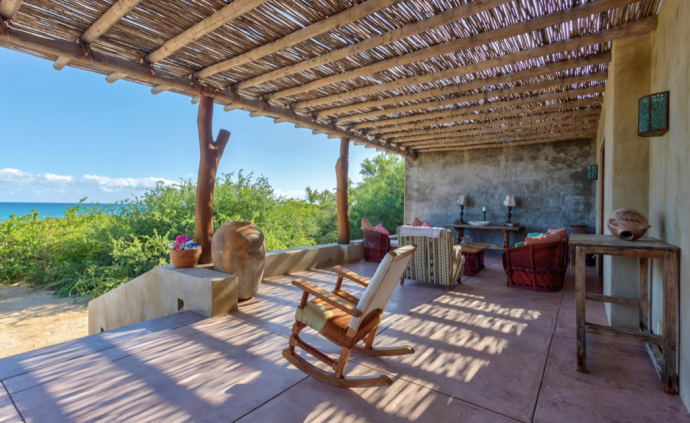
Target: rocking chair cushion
{"x": 330, "y": 321}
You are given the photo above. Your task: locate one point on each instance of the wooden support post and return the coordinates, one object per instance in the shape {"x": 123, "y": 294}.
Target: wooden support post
{"x": 668, "y": 375}
{"x": 580, "y": 298}
{"x": 341, "y": 170}
{"x": 211, "y": 152}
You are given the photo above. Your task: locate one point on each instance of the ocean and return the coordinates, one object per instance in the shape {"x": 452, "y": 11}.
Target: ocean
{"x": 44, "y": 209}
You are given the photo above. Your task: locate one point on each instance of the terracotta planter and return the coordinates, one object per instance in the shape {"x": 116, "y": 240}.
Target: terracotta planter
{"x": 628, "y": 224}
{"x": 238, "y": 248}
{"x": 185, "y": 258}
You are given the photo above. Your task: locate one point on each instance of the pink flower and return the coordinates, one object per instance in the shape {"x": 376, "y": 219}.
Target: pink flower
{"x": 181, "y": 239}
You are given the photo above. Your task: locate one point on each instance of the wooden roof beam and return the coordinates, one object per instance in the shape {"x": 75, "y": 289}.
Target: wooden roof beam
{"x": 528, "y": 25}
{"x": 112, "y": 16}
{"x": 210, "y": 24}
{"x": 585, "y": 128}
{"x": 485, "y": 96}
{"x": 399, "y": 137}
{"x": 343, "y": 18}
{"x": 570, "y": 105}
{"x": 451, "y": 15}
{"x": 104, "y": 62}
{"x": 580, "y": 62}
{"x": 517, "y": 102}
{"x": 460, "y": 131}
{"x": 540, "y": 127}
{"x": 542, "y": 140}
{"x": 9, "y": 8}
{"x": 576, "y": 43}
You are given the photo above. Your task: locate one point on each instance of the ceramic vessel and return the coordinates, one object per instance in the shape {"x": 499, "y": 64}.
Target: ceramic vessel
{"x": 238, "y": 248}
{"x": 628, "y": 224}
{"x": 185, "y": 258}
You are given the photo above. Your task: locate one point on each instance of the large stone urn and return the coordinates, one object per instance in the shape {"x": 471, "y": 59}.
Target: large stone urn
{"x": 238, "y": 248}
{"x": 628, "y": 224}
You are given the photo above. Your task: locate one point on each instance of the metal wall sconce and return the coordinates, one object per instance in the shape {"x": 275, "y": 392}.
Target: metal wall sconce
{"x": 652, "y": 119}
{"x": 592, "y": 172}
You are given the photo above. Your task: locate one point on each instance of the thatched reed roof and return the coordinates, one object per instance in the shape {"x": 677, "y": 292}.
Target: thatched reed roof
{"x": 408, "y": 77}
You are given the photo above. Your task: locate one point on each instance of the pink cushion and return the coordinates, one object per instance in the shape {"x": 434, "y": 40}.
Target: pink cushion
{"x": 367, "y": 225}
{"x": 562, "y": 233}
{"x": 380, "y": 229}
{"x": 416, "y": 222}
{"x": 544, "y": 239}
{"x": 426, "y": 225}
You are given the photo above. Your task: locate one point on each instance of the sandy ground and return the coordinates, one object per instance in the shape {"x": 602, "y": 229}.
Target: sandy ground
{"x": 31, "y": 319}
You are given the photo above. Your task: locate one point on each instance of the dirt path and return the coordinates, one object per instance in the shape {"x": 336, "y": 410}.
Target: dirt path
{"x": 31, "y": 319}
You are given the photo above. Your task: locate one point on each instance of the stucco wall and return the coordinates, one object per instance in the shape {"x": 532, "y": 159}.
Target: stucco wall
{"x": 549, "y": 182}
{"x": 669, "y": 173}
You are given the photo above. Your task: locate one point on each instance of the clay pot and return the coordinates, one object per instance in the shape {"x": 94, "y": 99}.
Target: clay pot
{"x": 238, "y": 248}
{"x": 185, "y": 258}
{"x": 628, "y": 224}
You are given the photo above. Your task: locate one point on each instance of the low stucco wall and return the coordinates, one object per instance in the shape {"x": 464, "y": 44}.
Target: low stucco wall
{"x": 300, "y": 259}
{"x": 549, "y": 182}
{"x": 163, "y": 291}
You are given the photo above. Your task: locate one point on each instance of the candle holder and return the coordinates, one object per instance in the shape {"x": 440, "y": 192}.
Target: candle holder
{"x": 484, "y": 215}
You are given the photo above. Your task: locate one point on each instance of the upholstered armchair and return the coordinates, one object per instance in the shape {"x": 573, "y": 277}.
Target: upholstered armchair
{"x": 537, "y": 267}
{"x": 436, "y": 260}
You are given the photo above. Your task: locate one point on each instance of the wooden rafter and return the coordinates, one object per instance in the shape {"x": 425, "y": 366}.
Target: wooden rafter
{"x": 507, "y": 78}
{"x": 581, "y": 129}
{"x": 101, "y": 26}
{"x": 329, "y": 24}
{"x": 210, "y": 24}
{"x": 108, "y": 63}
{"x": 450, "y": 15}
{"x": 481, "y": 39}
{"x": 478, "y": 129}
{"x": 467, "y": 126}
{"x": 642, "y": 26}
{"x": 516, "y": 102}
{"x": 506, "y": 133}
{"x": 484, "y": 96}
{"x": 8, "y": 8}
{"x": 542, "y": 140}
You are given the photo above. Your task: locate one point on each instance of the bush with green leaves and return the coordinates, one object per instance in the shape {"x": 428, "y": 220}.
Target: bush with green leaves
{"x": 94, "y": 248}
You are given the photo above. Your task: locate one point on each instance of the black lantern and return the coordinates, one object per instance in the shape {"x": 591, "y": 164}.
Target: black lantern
{"x": 653, "y": 115}
{"x": 592, "y": 172}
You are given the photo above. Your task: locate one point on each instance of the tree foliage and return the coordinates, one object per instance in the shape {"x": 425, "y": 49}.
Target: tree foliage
{"x": 94, "y": 249}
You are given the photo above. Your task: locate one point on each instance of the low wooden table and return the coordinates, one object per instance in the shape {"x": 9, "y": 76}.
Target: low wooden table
{"x": 644, "y": 249}
{"x": 474, "y": 258}
{"x": 460, "y": 229}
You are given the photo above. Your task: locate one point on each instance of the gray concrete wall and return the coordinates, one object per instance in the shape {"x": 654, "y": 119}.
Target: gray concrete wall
{"x": 549, "y": 182}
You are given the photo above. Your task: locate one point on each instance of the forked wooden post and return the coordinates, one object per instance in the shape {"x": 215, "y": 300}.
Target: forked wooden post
{"x": 341, "y": 170}
{"x": 211, "y": 152}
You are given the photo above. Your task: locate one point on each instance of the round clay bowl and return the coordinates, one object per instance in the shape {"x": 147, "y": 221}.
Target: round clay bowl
{"x": 185, "y": 258}
{"x": 627, "y": 224}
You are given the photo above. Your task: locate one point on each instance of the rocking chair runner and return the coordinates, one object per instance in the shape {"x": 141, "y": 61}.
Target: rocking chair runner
{"x": 346, "y": 320}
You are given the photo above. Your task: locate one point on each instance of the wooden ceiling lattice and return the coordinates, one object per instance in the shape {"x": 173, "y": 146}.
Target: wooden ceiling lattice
{"x": 403, "y": 76}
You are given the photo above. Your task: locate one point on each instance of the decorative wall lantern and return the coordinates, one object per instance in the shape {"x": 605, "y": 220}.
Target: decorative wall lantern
{"x": 592, "y": 171}
{"x": 653, "y": 115}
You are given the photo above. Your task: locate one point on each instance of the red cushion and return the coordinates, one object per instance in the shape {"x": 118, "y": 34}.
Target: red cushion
{"x": 544, "y": 239}
{"x": 416, "y": 222}
{"x": 426, "y": 225}
{"x": 562, "y": 233}
{"x": 366, "y": 224}
{"x": 380, "y": 229}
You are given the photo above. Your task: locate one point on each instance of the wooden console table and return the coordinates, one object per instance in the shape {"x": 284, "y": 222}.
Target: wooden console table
{"x": 644, "y": 249}
{"x": 460, "y": 229}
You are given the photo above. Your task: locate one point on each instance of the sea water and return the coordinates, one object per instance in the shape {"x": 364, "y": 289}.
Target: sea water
{"x": 44, "y": 209}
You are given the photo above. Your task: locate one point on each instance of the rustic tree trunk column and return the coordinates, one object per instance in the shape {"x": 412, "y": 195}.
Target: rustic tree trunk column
{"x": 341, "y": 169}
{"x": 211, "y": 152}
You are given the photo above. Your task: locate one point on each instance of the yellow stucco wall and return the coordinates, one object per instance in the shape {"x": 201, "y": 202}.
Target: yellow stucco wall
{"x": 666, "y": 201}
{"x": 669, "y": 172}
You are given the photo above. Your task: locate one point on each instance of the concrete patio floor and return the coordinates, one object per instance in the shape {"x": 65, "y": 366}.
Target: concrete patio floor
{"x": 484, "y": 353}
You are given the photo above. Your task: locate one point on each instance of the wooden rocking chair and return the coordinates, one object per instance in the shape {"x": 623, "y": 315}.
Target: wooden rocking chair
{"x": 346, "y": 320}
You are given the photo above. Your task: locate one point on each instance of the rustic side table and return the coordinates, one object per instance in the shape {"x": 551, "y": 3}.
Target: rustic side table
{"x": 474, "y": 257}
{"x": 644, "y": 249}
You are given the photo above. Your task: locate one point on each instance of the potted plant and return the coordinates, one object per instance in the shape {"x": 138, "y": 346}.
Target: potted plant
{"x": 184, "y": 252}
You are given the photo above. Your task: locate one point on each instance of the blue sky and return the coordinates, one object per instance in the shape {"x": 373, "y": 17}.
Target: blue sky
{"x": 69, "y": 134}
